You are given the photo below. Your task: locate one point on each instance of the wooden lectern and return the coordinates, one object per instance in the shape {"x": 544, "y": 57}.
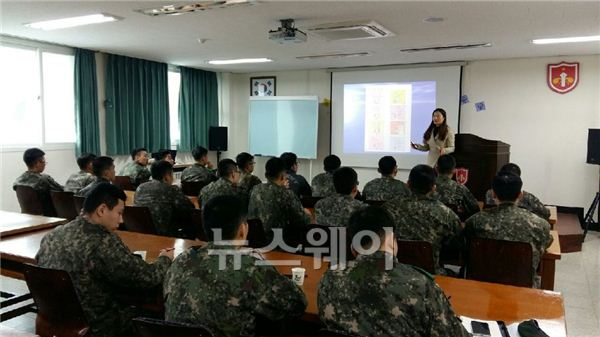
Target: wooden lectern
{"x": 483, "y": 158}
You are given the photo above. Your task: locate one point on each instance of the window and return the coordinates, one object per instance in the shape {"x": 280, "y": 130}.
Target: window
{"x": 36, "y": 96}
{"x": 174, "y": 79}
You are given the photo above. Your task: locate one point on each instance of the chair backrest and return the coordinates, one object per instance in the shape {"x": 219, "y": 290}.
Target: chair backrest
{"x": 124, "y": 182}
{"x": 34, "y": 202}
{"x": 59, "y": 312}
{"x": 500, "y": 261}
{"x": 416, "y": 253}
{"x": 333, "y": 333}
{"x": 150, "y": 327}
{"x": 192, "y": 188}
{"x": 375, "y": 202}
{"x": 64, "y": 204}
{"x": 78, "y": 201}
{"x": 138, "y": 219}
{"x": 308, "y": 201}
{"x": 190, "y": 223}
{"x": 256, "y": 234}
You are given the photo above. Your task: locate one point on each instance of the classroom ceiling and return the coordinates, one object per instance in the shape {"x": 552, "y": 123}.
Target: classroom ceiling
{"x": 241, "y": 32}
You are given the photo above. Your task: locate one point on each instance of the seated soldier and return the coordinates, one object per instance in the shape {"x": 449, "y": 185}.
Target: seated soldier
{"x": 104, "y": 172}
{"x": 99, "y": 263}
{"x": 162, "y": 198}
{"x": 335, "y": 210}
{"x": 137, "y": 169}
{"x": 245, "y": 162}
{"x": 84, "y": 177}
{"x": 297, "y": 183}
{"x": 420, "y": 217}
{"x": 229, "y": 175}
{"x": 451, "y": 193}
{"x": 33, "y": 177}
{"x": 528, "y": 201}
{"x": 322, "y": 183}
{"x": 376, "y": 296}
{"x": 509, "y": 222}
{"x": 164, "y": 154}
{"x": 275, "y": 205}
{"x": 201, "y": 288}
{"x": 201, "y": 170}
{"x": 386, "y": 187}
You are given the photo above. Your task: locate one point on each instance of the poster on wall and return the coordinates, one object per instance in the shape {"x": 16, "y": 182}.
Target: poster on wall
{"x": 563, "y": 77}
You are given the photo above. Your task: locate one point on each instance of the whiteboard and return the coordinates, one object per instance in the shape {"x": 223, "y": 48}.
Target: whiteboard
{"x": 280, "y": 124}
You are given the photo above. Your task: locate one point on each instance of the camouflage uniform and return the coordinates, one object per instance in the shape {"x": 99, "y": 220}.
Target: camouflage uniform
{"x": 99, "y": 263}
{"x": 423, "y": 218}
{"x": 385, "y": 188}
{"x": 79, "y": 180}
{"x": 449, "y": 192}
{"x": 322, "y": 185}
{"x": 219, "y": 188}
{"x": 162, "y": 200}
{"x": 366, "y": 300}
{"x": 335, "y": 210}
{"x": 38, "y": 181}
{"x": 82, "y": 192}
{"x": 298, "y": 184}
{"x": 512, "y": 223}
{"x": 136, "y": 172}
{"x": 248, "y": 181}
{"x": 198, "y": 173}
{"x": 529, "y": 201}
{"x": 226, "y": 301}
{"x": 276, "y": 207}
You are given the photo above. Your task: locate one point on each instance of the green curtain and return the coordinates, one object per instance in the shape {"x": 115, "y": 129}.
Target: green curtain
{"x": 86, "y": 103}
{"x": 198, "y": 106}
{"x": 137, "y": 105}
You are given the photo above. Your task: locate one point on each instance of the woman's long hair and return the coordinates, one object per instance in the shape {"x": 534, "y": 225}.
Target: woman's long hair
{"x": 440, "y": 131}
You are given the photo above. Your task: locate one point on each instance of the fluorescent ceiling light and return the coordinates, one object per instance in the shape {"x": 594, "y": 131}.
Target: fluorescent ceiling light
{"x": 72, "y": 22}
{"x": 567, "y": 39}
{"x": 238, "y": 61}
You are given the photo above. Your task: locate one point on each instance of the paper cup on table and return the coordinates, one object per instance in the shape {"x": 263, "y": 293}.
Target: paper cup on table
{"x": 140, "y": 253}
{"x": 298, "y": 275}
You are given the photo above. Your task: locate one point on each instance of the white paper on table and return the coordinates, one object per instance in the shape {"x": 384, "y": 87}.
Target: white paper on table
{"x": 494, "y": 327}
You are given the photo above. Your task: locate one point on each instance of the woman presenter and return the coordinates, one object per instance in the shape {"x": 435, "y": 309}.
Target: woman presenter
{"x": 438, "y": 139}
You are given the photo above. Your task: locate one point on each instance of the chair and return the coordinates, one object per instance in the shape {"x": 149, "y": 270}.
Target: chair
{"x": 192, "y": 188}
{"x": 150, "y": 327}
{"x": 59, "y": 312}
{"x": 256, "y": 234}
{"x": 124, "y": 182}
{"x": 138, "y": 219}
{"x": 308, "y": 201}
{"x": 34, "y": 202}
{"x": 190, "y": 224}
{"x": 416, "y": 253}
{"x": 500, "y": 261}
{"x": 64, "y": 205}
{"x": 375, "y": 202}
{"x": 333, "y": 333}
{"x": 78, "y": 201}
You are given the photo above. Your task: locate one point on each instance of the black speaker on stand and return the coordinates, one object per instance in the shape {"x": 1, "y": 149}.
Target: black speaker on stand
{"x": 217, "y": 140}
{"x": 593, "y": 157}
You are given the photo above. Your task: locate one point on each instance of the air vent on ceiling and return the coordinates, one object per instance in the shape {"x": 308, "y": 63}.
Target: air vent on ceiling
{"x": 193, "y": 7}
{"x": 333, "y": 56}
{"x": 454, "y": 46}
{"x": 351, "y": 30}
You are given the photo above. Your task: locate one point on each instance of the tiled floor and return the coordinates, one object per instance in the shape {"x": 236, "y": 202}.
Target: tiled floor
{"x": 577, "y": 277}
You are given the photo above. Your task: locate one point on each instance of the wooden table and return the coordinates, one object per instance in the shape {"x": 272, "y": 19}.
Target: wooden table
{"x": 553, "y": 215}
{"x": 548, "y": 263}
{"x": 12, "y": 223}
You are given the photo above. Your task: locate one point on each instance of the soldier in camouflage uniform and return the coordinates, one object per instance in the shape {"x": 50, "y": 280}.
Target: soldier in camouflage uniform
{"x": 226, "y": 185}
{"x": 527, "y": 201}
{"x": 511, "y": 223}
{"x": 386, "y": 187}
{"x": 162, "y": 198}
{"x": 104, "y": 172}
{"x": 297, "y": 183}
{"x": 202, "y": 290}
{"x": 335, "y": 210}
{"x": 245, "y": 162}
{"x": 33, "y": 177}
{"x": 164, "y": 154}
{"x": 422, "y": 218}
{"x": 449, "y": 192}
{"x": 275, "y": 205}
{"x": 84, "y": 177}
{"x": 322, "y": 183}
{"x": 376, "y": 296}
{"x": 99, "y": 263}
{"x": 137, "y": 169}
{"x": 201, "y": 171}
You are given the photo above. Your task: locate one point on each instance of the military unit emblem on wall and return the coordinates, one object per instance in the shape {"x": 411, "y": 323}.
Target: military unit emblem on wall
{"x": 563, "y": 77}
{"x": 462, "y": 175}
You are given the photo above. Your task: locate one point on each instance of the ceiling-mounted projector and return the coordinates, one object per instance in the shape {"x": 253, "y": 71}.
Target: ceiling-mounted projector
{"x": 287, "y": 33}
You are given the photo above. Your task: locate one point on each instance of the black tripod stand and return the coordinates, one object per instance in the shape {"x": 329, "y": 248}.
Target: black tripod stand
{"x": 589, "y": 216}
